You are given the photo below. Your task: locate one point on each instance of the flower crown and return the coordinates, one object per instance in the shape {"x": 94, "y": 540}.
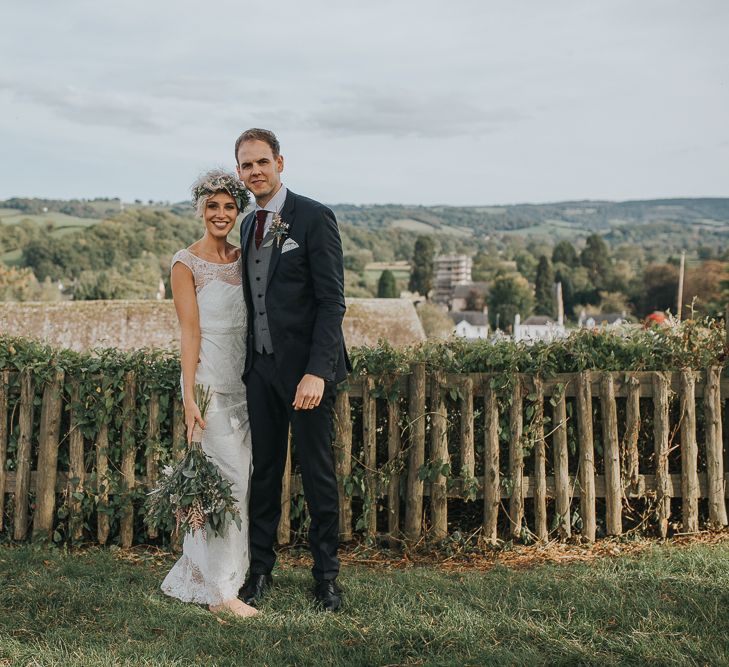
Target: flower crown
{"x": 220, "y": 182}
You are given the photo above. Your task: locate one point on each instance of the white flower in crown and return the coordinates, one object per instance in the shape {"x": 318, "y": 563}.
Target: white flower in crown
{"x": 279, "y": 229}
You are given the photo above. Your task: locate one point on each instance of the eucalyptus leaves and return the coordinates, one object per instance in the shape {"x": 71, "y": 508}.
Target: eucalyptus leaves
{"x": 193, "y": 496}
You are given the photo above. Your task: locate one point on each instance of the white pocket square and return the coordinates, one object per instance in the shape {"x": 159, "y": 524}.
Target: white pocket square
{"x": 289, "y": 244}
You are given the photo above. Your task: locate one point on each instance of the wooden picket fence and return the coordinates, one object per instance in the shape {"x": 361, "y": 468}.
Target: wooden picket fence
{"x": 422, "y": 419}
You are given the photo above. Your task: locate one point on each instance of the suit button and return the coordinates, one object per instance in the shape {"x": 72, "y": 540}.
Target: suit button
{"x": 261, "y": 313}
{"x": 260, "y": 295}
{"x": 257, "y": 278}
{"x": 258, "y": 261}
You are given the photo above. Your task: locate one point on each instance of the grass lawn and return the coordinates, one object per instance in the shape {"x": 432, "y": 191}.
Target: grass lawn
{"x": 666, "y": 605}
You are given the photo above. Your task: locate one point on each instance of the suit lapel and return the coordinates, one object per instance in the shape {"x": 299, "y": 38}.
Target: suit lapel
{"x": 287, "y": 215}
{"x": 245, "y": 233}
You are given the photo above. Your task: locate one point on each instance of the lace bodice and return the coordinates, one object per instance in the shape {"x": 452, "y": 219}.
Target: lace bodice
{"x": 222, "y": 317}
{"x": 204, "y": 272}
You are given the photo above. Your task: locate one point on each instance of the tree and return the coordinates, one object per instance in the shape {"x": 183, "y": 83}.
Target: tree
{"x": 510, "y": 294}
{"x": 565, "y": 253}
{"x": 386, "y": 286}
{"x": 436, "y": 323}
{"x": 706, "y": 289}
{"x": 658, "y": 289}
{"x": 614, "y": 302}
{"x": 595, "y": 258}
{"x": 526, "y": 264}
{"x": 544, "y": 288}
{"x": 475, "y": 300}
{"x": 421, "y": 276}
{"x": 137, "y": 279}
{"x": 563, "y": 276}
{"x": 357, "y": 260}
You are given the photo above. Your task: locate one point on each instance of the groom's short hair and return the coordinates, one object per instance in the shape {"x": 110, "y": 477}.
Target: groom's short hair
{"x": 257, "y": 134}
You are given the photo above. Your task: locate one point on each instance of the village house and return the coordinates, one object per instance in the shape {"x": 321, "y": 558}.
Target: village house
{"x": 538, "y": 327}
{"x": 593, "y": 321}
{"x": 470, "y": 324}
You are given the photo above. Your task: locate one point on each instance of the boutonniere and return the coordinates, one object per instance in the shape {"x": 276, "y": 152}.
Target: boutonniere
{"x": 279, "y": 229}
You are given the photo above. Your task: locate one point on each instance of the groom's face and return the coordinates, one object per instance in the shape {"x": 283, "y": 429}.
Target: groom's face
{"x": 259, "y": 169}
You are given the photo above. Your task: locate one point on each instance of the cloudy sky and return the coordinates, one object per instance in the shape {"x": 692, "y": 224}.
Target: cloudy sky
{"x": 419, "y": 102}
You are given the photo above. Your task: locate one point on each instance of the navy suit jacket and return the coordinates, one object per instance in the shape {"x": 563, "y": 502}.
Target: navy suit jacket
{"x": 304, "y": 294}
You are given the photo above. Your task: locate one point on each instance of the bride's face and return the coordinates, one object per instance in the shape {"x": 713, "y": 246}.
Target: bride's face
{"x": 219, "y": 214}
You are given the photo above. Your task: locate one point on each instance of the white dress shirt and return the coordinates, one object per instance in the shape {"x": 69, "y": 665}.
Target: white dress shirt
{"x": 274, "y": 206}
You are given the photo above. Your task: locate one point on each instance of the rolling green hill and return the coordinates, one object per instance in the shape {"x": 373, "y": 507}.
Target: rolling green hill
{"x": 584, "y": 217}
{"x": 661, "y": 227}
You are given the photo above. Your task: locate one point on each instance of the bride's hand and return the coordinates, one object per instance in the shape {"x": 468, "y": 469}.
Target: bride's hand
{"x": 192, "y": 417}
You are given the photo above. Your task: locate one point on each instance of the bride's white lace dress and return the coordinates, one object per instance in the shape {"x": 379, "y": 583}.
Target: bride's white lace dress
{"x": 212, "y": 569}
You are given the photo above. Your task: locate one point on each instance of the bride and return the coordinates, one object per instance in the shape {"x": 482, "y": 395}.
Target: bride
{"x": 207, "y": 291}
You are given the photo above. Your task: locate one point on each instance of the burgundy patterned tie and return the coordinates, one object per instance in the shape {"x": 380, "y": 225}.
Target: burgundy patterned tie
{"x": 260, "y": 224}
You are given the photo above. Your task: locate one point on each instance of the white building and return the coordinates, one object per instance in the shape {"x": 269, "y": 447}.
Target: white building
{"x": 538, "y": 327}
{"x": 470, "y": 324}
{"x": 593, "y": 321}
{"x": 450, "y": 270}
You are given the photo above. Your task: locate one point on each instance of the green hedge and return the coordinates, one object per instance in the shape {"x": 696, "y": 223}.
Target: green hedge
{"x": 100, "y": 374}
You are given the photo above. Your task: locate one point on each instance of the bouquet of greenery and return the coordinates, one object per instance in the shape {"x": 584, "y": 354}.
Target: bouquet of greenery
{"x": 193, "y": 496}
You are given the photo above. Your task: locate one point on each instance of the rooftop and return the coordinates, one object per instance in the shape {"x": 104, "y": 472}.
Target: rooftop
{"x": 474, "y": 317}
{"x": 129, "y": 325}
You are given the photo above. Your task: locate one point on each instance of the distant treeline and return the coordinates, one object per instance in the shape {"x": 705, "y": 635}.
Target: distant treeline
{"x": 95, "y": 208}
{"x": 608, "y": 256}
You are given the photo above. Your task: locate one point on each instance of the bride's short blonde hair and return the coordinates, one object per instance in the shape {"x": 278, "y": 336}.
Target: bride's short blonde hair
{"x": 214, "y": 181}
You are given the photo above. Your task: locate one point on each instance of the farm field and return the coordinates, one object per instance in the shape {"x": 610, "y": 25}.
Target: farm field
{"x": 59, "y": 220}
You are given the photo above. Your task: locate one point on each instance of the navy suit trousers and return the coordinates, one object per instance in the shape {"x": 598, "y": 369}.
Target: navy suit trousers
{"x": 270, "y": 410}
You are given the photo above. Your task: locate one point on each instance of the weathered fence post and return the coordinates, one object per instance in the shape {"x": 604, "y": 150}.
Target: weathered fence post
{"x": 23, "y": 454}
{"x": 179, "y": 430}
{"x": 540, "y": 463}
{"x": 416, "y": 458}
{"x": 283, "y": 532}
{"x": 152, "y": 453}
{"x": 438, "y": 458}
{"x": 689, "y": 453}
{"x": 632, "y": 432}
{"x": 561, "y": 467}
{"x": 491, "y": 478}
{"x": 394, "y": 447}
{"x": 4, "y": 381}
{"x": 516, "y": 460}
{"x": 50, "y": 427}
{"x": 661, "y": 434}
{"x": 343, "y": 445}
{"x": 369, "y": 440}
{"x": 128, "y": 447}
{"x": 714, "y": 454}
{"x": 611, "y": 457}
{"x": 76, "y": 465}
{"x": 587, "y": 455}
{"x": 102, "y": 483}
{"x": 468, "y": 455}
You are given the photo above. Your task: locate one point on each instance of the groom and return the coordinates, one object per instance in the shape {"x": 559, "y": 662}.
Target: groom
{"x": 294, "y": 291}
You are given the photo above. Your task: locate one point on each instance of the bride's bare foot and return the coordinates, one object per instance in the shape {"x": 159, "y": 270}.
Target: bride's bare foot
{"x": 234, "y": 606}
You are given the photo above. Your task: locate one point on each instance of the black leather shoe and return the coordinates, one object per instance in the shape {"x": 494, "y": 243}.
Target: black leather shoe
{"x": 328, "y": 595}
{"x": 253, "y": 590}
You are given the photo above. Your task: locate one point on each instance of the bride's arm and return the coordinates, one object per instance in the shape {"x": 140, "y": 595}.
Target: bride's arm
{"x": 183, "y": 293}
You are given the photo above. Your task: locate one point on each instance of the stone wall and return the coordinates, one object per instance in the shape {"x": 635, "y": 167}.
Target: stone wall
{"x": 126, "y": 325}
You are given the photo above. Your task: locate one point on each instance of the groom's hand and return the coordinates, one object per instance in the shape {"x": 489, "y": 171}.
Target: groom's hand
{"x": 309, "y": 392}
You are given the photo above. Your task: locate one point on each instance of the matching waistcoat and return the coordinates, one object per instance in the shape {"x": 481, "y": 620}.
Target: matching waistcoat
{"x": 257, "y": 263}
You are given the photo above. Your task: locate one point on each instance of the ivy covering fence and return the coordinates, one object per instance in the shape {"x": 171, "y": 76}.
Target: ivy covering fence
{"x": 595, "y": 434}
